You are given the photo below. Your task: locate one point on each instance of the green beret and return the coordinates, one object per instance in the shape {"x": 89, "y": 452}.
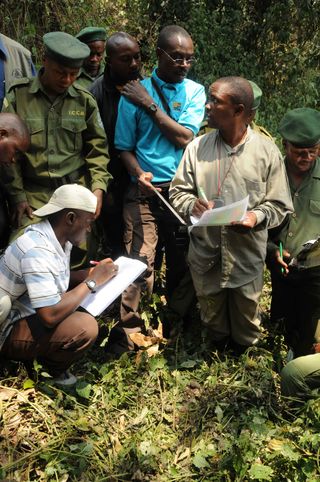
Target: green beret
{"x": 301, "y": 127}
{"x": 92, "y": 34}
{"x": 65, "y": 49}
{"x": 257, "y": 94}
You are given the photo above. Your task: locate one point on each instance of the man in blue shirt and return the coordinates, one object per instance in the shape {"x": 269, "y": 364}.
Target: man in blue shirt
{"x": 157, "y": 119}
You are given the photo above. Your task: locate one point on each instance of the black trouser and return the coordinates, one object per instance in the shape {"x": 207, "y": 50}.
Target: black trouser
{"x": 296, "y": 300}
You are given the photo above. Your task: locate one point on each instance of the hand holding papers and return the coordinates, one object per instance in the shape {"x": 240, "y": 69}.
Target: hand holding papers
{"x": 222, "y": 216}
{"x": 129, "y": 270}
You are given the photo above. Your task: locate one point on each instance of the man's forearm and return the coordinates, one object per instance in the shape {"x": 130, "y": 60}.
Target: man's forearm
{"x": 131, "y": 163}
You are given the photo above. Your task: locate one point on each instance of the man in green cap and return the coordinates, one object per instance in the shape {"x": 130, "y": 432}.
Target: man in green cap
{"x": 92, "y": 68}
{"x": 68, "y": 142}
{"x": 295, "y": 269}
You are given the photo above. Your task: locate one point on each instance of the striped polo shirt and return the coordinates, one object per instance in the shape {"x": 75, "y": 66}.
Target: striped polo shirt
{"x": 35, "y": 272}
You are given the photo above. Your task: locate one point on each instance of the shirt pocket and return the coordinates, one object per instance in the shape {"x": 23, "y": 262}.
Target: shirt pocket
{"x": 256, "y": 190}
{"x": 71, "y": 135}
{"x": 37, "y": 134}
{"x": 315, "y": 207}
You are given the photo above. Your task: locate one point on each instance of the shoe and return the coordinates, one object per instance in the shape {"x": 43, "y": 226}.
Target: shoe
{"x": 65, "y": 379}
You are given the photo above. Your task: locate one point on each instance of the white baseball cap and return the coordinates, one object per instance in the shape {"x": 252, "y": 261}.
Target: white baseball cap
{"x": 71, "y": 196}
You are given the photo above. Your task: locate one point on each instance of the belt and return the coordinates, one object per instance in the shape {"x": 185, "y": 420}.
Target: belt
{"x": 162, "y": 184}
{"x": 55, "y": 182}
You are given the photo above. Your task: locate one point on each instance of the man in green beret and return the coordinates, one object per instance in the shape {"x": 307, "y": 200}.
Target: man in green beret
{"x": 92, "y": 68}
{"x": 68, "y": 142}
{"x": 295, "y": 268}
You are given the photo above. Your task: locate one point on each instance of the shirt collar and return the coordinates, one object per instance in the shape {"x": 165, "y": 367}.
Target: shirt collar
{"x": 235, "y": 149}
{"x": 167, "y": 85}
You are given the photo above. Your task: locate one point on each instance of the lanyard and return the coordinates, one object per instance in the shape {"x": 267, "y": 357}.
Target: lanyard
{"x": 220, "y": 184}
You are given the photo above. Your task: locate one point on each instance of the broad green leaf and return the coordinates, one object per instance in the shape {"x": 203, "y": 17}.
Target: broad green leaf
{"x": 28, "y": 384}
{"x": 83, "y": 389}
{"x": 219, "y": 413}
{"x": 188, "y": 364}
{"x": 199, "y": 461}
{"x": 260, "y": 472}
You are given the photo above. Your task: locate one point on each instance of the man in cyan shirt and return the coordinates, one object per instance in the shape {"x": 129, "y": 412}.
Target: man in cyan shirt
{"x": 157, "y": 119}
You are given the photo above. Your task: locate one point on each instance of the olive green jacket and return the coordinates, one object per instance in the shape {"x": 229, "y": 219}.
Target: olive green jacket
{"x": 304, "y": 223}
{"x": 85, "y": 80}
{"x": 67, "y": 139}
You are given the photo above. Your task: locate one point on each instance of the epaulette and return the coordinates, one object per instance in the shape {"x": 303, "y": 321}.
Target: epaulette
{"x": 204, "y": 128}
{"x": 16, "y": 83}
{"x": 261, "y": 130}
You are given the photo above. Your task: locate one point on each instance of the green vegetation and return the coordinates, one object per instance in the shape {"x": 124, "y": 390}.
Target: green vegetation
{"x": 186, "y": 414}
{"x": 273, "y": 43}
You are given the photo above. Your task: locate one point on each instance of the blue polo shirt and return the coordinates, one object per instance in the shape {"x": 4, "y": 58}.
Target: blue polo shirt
{"x": 136, "y": 131}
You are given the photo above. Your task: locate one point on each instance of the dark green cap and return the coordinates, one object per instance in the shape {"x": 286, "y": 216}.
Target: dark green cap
{"x": 301, "y": 127}
{"x": 65, "y": 49}
{"x": 92, "y": 34}
{"x": 257, "y": 94}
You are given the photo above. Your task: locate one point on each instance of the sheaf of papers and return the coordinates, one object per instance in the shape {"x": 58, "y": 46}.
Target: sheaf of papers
{"x": 129, "y": 270}
{"x": 222, "y": 216}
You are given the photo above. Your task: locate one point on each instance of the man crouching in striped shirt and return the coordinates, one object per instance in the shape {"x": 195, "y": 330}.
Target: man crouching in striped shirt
{"x": 45, "y": 321}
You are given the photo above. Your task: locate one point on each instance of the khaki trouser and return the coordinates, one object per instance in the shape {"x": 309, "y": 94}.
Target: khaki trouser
{"x": 229, "y": 312}
{"x": 300, "y": 376}
{"x": 146, "y": 218}
{"x": 57, "y": 348}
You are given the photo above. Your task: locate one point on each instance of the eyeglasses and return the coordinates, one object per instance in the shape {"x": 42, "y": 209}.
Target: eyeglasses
{"x": 189, "y": 61}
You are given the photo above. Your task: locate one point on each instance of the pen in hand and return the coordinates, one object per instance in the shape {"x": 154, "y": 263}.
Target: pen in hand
{"x": 281, "y": 255}
{"x": 202, "y": 194}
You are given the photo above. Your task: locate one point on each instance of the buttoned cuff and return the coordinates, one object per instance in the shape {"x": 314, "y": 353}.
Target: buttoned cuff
{"x": 100, "y": 185}
{"x": 18, "y": 198}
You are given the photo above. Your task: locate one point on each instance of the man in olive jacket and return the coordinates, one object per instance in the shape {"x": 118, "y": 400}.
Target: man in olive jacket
{"x": 68, "y": 142}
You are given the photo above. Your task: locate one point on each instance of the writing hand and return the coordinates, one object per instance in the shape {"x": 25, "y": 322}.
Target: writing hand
{"x": 103, "y": 271}
{"x": 200, "y": 206}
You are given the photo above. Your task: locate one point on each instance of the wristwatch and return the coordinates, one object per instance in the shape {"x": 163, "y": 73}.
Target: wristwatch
{"x": 91, "y": 283}
{"x": 153, "y": 108}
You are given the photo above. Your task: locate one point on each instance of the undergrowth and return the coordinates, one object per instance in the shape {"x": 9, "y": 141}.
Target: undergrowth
{"x": 186, "y": 414}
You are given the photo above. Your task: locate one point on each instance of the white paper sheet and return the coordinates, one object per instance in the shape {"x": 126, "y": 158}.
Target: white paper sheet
{"x": 129, "y": 270}
{"x": 222, "y": 216}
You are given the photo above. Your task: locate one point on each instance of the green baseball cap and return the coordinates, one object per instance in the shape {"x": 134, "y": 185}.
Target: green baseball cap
{"x": 92, "y": 34}
{"x": 65, "y": 49}
{"x": 301, "y": 127}
{"x": 257, "y": 95}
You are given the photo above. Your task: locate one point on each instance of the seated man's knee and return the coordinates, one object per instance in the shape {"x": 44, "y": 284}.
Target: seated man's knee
{"x": 83, "y": 329}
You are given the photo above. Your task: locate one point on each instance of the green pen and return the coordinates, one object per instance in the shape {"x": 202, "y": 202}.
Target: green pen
{"x": 281, "y": 255}
{"x": 202, "y": 194}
